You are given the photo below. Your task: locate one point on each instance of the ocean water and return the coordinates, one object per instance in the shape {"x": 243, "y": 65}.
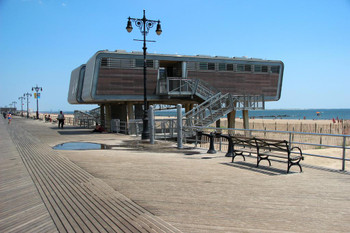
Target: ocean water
{"x": 310, "y": 114}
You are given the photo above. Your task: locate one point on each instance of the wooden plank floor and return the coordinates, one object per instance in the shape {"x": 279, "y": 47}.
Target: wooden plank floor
{"x": 75, "y": 200}
{"x": 21, "y": 207}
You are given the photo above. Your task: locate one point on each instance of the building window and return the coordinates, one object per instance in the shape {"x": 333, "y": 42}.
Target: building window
{"x": 240, "y": 68}
{"x": 104, "y": 61}
{"x": 206, "y": 66}
{"x": 247, "y": 68}
{"x": 275, "y": 69}
{"x": 139, "y": 63}
{"x": 211, "y": 66}
{"x": 257, "y": 68}
{"x": 264, "y": 69}
{"x": 230, "y": 67}
{"x": 203, "y": 66}
{"x": 222, "y": 66}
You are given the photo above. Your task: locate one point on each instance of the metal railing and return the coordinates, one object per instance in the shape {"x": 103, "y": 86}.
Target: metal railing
{"x": 163, "y": 128}
{"x": 306, "y": 141}
{"x": 209, "y": 111}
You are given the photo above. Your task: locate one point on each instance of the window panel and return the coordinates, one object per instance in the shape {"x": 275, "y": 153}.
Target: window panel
{"x": 264, "y": 69}
{"x": 257, "y": 68}
{"x": 240, "y": 67}
{"x": 275, "y": 69}
{"x": 203, "y": 66}
{"x": 247, "y": 68}
{"x": 222, "y": 66}
{"x": 230, "y": 67}
{"x": 211, "y": 66}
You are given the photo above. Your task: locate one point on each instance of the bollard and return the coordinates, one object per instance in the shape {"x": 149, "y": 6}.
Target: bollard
{"x": 211, "y": 144}
{"x": 230, "y": 144}
{"x": 179, "y": 126}
{"x": 151, "y": 122}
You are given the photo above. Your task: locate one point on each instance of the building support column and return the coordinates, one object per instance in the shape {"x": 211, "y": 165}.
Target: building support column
{"x": 102, "y": 115}
{"x": 245, "y": 119}
{"x": 130, "y": 116}
{"x": 187, "y": 108}
{"x": 108, "y": 118}
{"x": 231, "y": 119}
{"x": 246, "y": 122}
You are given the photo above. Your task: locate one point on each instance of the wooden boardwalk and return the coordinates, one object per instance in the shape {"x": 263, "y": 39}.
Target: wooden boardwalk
{"x": 60, "y": 196}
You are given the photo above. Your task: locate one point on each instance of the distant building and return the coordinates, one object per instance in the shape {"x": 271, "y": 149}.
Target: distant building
{"x": 114, "y": 81}
{"x": 12, "y": 110}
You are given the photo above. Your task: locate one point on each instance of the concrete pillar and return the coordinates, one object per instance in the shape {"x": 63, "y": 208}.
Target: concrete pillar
{"x": 131, "y": 116}
{"x": 102, "y": 115}
{"x": 108, "y": 117}
{"x": 131, "y": 112}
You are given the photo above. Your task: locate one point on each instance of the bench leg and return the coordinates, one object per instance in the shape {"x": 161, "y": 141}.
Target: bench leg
{"x": 235, "y": 154}
{"x": 259, "y": 158}
{"x": 290, "y": 164}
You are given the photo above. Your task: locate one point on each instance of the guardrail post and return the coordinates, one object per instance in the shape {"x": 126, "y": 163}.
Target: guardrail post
{"x": 290, "y": 140}
{"x": 344, "y": 148}
{"x": 179, "y": 126}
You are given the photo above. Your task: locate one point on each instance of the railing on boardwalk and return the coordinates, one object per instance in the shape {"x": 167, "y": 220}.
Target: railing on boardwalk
{"x": 306, "y": 141}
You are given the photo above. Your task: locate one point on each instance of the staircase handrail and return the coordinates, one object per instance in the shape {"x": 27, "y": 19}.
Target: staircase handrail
{"x": 209, "y": 111}
{"x": 208, "y": 101}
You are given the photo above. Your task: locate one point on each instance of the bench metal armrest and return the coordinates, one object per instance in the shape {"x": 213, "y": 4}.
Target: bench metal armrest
{"x": 300, "y": 152}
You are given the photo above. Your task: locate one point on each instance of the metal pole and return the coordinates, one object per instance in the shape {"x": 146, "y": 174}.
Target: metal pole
{"x": 145, "y": 131}
{"x": 179, "y": 126}
{"x": 344, "y": 148}
{"x": 151, "y": 116}
{"x": 37, "y": 106}
{"x": 27, "y": 106}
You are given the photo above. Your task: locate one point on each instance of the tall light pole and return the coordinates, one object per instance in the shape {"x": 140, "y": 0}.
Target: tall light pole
{"x": 144, "y": 25}
{"x": 14, "y": 104}
{"x": 37, "y": 96}
{"x": 21, "y": 98}
{"x": 27, "y": 95}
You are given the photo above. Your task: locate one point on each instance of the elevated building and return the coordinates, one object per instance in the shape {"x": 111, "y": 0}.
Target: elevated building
{"x": 114, "y": 81}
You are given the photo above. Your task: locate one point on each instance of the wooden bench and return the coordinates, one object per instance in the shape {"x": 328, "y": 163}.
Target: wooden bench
{"x": 280, "y": 149}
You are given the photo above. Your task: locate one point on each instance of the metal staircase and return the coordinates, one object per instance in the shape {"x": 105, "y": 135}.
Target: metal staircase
{"x": 215, "y": 104}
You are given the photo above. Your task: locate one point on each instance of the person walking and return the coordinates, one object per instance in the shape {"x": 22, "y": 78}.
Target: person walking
{"x": 60, "y": 119}
{"x": 9, "y": 117}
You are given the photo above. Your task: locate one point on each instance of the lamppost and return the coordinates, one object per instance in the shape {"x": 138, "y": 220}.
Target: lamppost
{"x": 14, "y": 104}
{"x": 144, "y": 25}
{"x": 37, "y": 96}
{"x": 27, "y": 94}
{"x": 21, "y": 98}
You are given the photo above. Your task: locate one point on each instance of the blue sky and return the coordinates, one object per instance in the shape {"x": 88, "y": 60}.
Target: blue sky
{"x": 42, "y": 41}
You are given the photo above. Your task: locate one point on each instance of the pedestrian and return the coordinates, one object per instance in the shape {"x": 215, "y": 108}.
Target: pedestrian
{"x": 4, "y": 114}
{"x": 60, "y": 119}
{"x": 9, "y": 117}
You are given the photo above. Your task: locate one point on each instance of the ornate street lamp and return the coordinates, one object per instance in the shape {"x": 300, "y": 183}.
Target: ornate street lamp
{"x": 144, "y": 25}
{"x": 27, "y": 94}
{"x": 21, "y": 98}
{"x": 14, "y": 104}
{"x": 37, "y": 96}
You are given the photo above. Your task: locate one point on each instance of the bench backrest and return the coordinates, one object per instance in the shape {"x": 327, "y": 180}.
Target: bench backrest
{"x": 271, "y": 144}
{"x": 243, "y": 141}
